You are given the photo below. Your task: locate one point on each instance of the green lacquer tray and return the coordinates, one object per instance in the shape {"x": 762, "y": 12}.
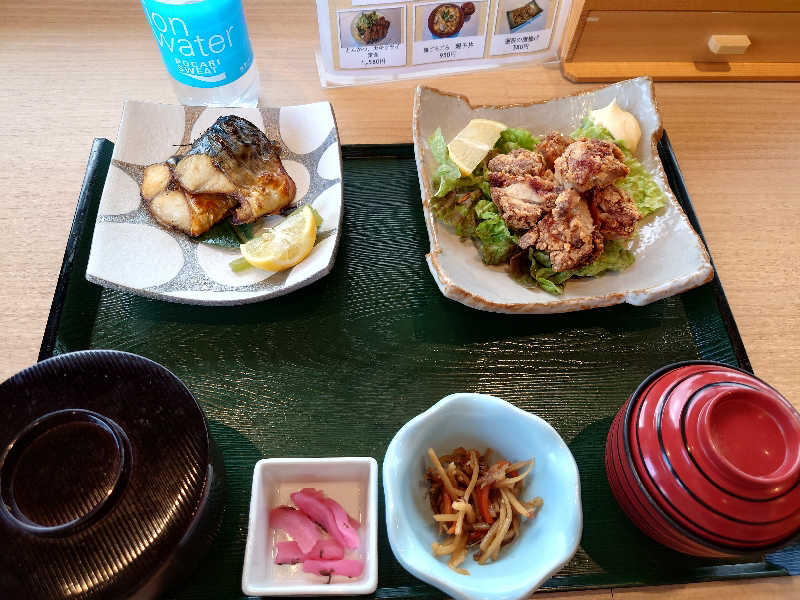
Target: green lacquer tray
{"x": 336, "y": 368}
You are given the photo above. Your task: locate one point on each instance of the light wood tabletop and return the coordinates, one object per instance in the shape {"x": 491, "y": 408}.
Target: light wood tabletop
{"x": 69, "y": 64}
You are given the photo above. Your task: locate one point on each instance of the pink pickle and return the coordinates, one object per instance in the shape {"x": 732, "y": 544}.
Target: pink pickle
{"x": 326, "y": 550}
{"x": 312, "y": 503}
{"x": 297, "y": 525}
{"x": 321, "y": 496}
{"x": 343, "y": 524}
{"x": 329, "y": 514}
{"x": 326, "y": 568}
{"x": 318, "y": 494}
{"x": 289, "y": 553}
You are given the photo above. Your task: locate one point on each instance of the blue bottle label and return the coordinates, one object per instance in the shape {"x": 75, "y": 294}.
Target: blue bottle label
{"x": 204, "y": 44}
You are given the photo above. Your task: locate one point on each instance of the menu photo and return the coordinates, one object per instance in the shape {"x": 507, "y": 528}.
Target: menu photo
{"x": 522, "y": 26}
{"x": 372, "y": 37}
{"x": 448, "y": 31}
{"x": 370, "y": 41}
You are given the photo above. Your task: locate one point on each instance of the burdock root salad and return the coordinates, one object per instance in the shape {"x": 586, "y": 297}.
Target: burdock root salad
{"x": 550, "y": 208}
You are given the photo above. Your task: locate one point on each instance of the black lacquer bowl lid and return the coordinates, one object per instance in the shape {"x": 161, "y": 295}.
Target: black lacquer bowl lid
{"x": 109, "y": 480}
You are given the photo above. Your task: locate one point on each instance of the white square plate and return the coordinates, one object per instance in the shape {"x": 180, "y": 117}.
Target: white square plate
{"x": 352, "y": 482}
{"x": 670, "y": 257}
{"x": 132, "y": 252}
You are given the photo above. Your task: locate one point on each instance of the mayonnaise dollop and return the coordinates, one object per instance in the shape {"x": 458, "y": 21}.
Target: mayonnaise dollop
{"x": 620, "y": 123}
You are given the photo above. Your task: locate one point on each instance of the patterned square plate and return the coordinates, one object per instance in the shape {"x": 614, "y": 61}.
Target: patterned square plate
{"x": 670, "y": 257}
{"x": 132, "y": 252}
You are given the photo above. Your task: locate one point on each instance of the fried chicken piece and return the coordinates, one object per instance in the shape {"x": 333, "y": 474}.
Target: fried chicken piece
{"x": 522, "y": 199}
{"x": 569, "y": 234}
{"x": 553, "y": 146}
{"x": 589, "y": 163}
{"x": 528, "y": 239}
{"x": 518, "y": 162}
{"x": 522, "y": 190}
{"x": 614, "y": 212}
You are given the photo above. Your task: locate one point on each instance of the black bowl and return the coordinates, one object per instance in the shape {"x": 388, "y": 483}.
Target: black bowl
{"x": 111, "y": 486}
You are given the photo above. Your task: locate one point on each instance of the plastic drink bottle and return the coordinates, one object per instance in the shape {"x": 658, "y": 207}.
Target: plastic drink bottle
{"x": 206, "y": 49}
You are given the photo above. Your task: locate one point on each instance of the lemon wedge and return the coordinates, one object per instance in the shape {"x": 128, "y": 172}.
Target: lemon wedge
{"x": 473, "y": 143}
{"x": 284, "y": 245}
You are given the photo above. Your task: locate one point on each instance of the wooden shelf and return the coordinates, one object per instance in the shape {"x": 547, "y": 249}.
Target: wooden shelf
{"x": 680, "y": 71}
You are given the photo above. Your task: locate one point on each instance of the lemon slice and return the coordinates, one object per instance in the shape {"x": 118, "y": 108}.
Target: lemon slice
{"x": 483, "y": 131}
{"x": 284, "y": 245}
{"x": 473, "y": 143}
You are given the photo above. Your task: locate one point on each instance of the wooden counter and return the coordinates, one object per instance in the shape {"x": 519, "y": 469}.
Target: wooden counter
{"x": 68, "y": 65}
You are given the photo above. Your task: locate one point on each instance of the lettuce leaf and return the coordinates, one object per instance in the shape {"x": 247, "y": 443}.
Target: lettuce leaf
{"x": 480, "y": 176}
{"x": 519, "y": 269}
{"x": 642, "y": 188}
{"x": 446, "y": 176}
{"x": 639, "y": 183}
{"x": 543, "y": 276}
{"x": 472, "y": 216}
{"x": 438, "y": 146}
{"x": 486, "y": 209}
{"x": 511, "y": 139}
{"x": 543, "y": 258}
{"x": 549, "y": 286}
{"x": 590, "y": 129}
{"x": 615, "y": 257}
{"x": 494, "y": 239}
{"x": 458, "y": 210}
{"x": 473, "y": 182}
{"x": 561, "y": 276}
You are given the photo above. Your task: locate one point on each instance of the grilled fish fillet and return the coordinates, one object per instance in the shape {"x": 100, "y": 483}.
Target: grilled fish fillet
{"x": 173, "y": 206}
{"x": 191, "y": 213}
{"x": 156, "y": 179}
{"x": 197, "y": 173}
{"x": 234, "y": 157}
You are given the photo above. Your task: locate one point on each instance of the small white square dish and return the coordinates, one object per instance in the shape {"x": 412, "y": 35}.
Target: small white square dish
{"x": 546, "y": 542}
{"x": 670, "y": 258}
{"x": 352, "y": 482}
{"x": 132, "y": 252}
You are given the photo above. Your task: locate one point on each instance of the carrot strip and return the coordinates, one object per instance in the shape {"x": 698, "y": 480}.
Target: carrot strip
{"x": 475, "y": 535}
{"x": 447, "y": 504}
{"x": 483, "y": 504}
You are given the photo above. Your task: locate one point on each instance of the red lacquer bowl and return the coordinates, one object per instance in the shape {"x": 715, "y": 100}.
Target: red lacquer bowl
{"x": 705, "y": 458}
{"x": 670, "y": 474}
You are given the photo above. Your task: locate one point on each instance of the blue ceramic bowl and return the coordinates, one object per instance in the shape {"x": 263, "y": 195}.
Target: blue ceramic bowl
{"x": 478, "y": 421}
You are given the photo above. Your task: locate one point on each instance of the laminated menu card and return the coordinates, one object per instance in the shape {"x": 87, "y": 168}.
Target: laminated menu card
{"x": 365, "y": 41}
